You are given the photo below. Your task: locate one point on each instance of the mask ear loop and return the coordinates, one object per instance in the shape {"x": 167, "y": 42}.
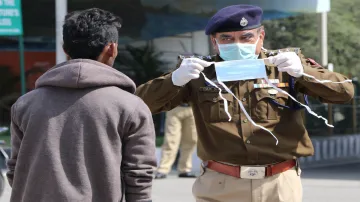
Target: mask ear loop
{"x": 239, "y": 102}
{"x": 246, "y": 114}
{"x": 327, "y": 81}
{"x": 241, "y": 106}
{"x": 226, "y": 107}
{"x": 306, "y": 107}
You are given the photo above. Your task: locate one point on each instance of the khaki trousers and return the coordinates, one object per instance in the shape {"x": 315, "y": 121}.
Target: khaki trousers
{"x": 179, "y": 130}
{"x": 212, "y": 186}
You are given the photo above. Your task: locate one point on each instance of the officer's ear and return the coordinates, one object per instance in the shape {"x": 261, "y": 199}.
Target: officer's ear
{"x": 261, "y": 32}
{"x": 214, "y": 43}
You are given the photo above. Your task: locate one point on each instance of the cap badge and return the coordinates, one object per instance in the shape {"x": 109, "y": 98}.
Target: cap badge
{"x": 244, "y": 22}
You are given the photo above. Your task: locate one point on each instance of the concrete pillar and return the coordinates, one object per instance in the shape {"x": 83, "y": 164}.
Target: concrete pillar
{"x": 61, "y": 10}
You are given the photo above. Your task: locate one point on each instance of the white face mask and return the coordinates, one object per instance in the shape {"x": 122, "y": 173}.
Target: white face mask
{"x": 236, "y": 70}
{"x": 252, "y": 69}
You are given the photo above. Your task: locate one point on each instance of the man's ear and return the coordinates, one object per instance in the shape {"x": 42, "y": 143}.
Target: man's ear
{"x": 111, "y": 50}
{"x": 214, "y": 44}
{"x": 213, "y": 41}
{"x": 262, "y": 33}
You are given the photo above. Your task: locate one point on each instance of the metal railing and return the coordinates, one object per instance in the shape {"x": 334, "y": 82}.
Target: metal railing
{"x": 343, "y": 117}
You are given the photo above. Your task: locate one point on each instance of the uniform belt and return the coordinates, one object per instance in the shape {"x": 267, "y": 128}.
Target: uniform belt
{"x": 251, "y": 172}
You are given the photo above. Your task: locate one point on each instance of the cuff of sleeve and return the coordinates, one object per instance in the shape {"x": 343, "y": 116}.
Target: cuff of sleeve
{"x": 169, "y": 82}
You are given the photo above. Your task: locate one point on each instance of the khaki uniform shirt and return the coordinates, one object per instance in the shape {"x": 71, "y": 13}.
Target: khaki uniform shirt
{"x": 238, "y": 141}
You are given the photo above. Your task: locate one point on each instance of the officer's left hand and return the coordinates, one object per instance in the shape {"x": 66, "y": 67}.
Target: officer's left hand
{"x": 288, "y": 62}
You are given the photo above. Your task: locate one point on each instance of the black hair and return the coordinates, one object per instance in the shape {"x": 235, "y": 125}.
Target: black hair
{"x": 87, "y": 32}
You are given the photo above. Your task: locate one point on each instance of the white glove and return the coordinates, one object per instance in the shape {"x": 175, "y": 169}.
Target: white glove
{"x": 189, "y": 69}
{"x": 288, "y": 62}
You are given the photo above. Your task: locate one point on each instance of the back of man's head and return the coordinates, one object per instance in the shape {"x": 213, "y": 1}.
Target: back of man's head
{"x": 88, "y": 32}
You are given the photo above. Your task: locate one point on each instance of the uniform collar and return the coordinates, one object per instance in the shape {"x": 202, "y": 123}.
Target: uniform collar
{"x": 218, "y": 58}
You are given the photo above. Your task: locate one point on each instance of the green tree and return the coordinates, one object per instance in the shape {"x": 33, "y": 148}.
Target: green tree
{"x": 141, "y": 64}
{"x": 343, "y": 48}
{"x": 302, "y": 31}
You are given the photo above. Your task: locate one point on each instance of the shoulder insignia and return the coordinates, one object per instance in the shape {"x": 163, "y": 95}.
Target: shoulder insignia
{"x": 208, "y": 58}
{"x": 313, "y": 62}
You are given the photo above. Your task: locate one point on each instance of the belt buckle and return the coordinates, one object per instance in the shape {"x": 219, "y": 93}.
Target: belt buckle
{"x": 247, "y": 172}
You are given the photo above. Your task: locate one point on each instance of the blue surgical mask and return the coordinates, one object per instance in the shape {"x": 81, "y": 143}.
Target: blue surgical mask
{"x": 238, "y": 51}
{"x": 236, "y": 70}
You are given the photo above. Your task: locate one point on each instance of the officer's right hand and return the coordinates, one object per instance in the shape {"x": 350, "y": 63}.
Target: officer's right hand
{"x": 189, "y": 69}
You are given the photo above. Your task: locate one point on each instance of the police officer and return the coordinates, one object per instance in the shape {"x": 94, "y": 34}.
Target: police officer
{"x": 241, "y": 161}
{"x": 180, "y": 131}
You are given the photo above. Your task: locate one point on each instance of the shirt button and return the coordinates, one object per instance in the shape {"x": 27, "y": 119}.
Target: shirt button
{"x": 248, "y": 142}
{"x": 245, "y": 121}
{"x": 244, "y": 99}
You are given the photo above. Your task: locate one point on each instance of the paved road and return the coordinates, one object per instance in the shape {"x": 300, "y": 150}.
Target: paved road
{"x": 330, "y": 184}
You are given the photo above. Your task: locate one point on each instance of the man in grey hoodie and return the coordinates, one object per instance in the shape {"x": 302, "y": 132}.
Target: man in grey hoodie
{"x": 81, "y": 135}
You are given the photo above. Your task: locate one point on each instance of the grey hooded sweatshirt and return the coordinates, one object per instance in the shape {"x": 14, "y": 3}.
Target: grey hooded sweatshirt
{"x": 81, "y": 136}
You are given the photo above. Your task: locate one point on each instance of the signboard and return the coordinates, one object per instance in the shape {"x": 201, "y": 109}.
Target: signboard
{"x": 10, "y": 18}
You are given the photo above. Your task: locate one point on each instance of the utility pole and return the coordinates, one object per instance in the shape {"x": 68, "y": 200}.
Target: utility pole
{"x": 323, "y": 36}
{"x": 61, "y": 10}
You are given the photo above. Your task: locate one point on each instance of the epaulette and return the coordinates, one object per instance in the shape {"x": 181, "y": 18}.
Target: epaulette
{"x": 269, "y": 53}
{"x": 208, "y": 58}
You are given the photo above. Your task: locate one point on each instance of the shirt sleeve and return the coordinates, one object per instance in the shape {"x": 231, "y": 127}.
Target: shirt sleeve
{"x": 16, "y": 137}
{"x": 336, "y": 93}
{"x": 139, "y": 158}
{"x": 161, "y": 94}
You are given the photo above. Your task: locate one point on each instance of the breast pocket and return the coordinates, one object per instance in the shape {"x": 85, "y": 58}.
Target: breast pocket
{"x": 268, "y": 106}
{"x": 212, "y": 106}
